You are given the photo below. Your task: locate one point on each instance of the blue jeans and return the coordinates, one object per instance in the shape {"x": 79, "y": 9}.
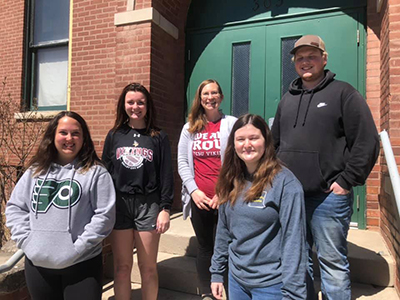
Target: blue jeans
{"x": 328, "y": 220}
{"x": 239, "y": 292}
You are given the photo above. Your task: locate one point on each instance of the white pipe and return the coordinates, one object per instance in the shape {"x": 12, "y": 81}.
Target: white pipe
{"x": 12, "y": 261}
{"x": 392, "y": 166}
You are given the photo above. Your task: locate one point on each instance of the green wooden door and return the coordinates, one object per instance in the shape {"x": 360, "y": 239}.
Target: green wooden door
{"x": 235, "y": 57}
{"x": 262, "y": 66}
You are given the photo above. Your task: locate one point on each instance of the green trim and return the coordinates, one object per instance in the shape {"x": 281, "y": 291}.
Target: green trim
{"x": 56, "y": 107}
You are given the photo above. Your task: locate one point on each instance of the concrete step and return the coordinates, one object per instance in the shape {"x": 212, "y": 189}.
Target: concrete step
{"x": 180, "y": 239}
{"x": 359, "y": 291}
{"x": 370, "y": 292}
{"x": 370, "y": 260}
{"x": 365, "y": 291}
{"x": 175, "y": 272}
{"x": 163, "y": 294}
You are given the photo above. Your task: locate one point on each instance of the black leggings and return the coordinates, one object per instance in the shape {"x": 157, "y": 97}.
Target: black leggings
{"x": 204, "y": 224}
{"x": 80, "y": 281}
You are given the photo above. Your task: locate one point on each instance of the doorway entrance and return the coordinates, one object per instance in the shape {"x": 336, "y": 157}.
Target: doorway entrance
{"x": 252, "y": 63}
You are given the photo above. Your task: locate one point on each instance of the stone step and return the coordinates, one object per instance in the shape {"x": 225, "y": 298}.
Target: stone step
{"x": 175, "y": 272}
{"x": 370, "y": 259}
{"x": 370, "y": 292}
{"x": 178, "y": 282}
{"x": 359, "y": 291}
{"x": 163, "y": 294}
{"x": 180, "y": 239}
{"x": 366, "y": 291}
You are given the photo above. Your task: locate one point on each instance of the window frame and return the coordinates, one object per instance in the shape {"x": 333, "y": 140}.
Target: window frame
{"x": 30, "y": 58}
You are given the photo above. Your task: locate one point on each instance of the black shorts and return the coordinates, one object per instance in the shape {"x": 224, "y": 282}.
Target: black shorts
{"x": 138, "y": 212}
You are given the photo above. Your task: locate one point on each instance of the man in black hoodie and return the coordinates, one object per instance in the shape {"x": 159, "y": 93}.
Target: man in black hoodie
{"x": 325, "y": 134}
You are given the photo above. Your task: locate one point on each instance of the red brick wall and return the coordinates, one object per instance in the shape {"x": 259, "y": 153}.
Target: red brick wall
{"x": 373, "y": 100}
{"x": 11, "y": 50}
{"x": 93, "y": 64}
{"x": 167, "y": 75}
{"x": 386, "y": 27}
{"x": 105, "y": 58}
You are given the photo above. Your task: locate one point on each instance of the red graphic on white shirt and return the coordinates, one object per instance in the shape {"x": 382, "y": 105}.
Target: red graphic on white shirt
{"x": 207, "y": 158}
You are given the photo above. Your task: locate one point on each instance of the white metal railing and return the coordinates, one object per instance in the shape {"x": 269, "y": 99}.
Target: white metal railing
{"x": 12, "y": 261}
{"x": 392, "y": 166}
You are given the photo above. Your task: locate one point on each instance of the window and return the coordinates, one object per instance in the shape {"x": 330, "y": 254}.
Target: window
{"x": 288, "y": 71}
{"x": 46, "y": 69}
{"x": 240, "y": 78}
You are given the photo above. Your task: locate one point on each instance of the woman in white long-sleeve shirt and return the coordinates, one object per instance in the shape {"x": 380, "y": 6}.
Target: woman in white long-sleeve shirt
{"x": 200, "y": 152}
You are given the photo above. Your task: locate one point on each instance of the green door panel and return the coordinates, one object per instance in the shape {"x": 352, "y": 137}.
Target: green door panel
{"x": 210, "y": 56}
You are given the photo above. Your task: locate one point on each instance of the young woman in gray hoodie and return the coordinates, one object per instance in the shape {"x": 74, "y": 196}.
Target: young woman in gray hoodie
{"x": 261, "y": 224}
{"x": 60, "y": 211}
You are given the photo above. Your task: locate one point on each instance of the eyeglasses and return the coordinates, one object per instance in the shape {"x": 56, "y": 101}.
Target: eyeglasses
{"x": 207, "y": 94}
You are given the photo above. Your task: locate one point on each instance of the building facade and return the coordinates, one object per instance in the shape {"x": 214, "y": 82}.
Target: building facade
{"x": 79, "y": 54}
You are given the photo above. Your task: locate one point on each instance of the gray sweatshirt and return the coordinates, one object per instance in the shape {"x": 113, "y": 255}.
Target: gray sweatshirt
{"x": 264, "y": 240}
{"x": 56, "y": 228}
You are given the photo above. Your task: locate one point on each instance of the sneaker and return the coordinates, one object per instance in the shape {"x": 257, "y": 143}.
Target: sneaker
{"x": 207, "y": 297}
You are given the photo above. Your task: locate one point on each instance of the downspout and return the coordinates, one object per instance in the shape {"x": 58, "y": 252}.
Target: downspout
{"x": 392, "y": 166}
{"x": 71, "y": 10}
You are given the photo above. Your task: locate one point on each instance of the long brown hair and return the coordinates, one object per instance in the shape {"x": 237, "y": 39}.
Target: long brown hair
{"x": 47, "y": 152}
{"x": 197, "y": 118}
{"x": 150, "y": 118}
{"x": 231, "y": 180}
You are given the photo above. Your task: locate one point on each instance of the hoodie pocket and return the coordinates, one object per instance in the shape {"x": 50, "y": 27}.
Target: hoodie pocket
{"x": 50, "y": 249}
{"x": 305, "y": 166}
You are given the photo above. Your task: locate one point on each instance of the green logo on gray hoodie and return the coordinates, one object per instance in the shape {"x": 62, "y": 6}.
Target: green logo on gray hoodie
{"x": 61, "y": 194}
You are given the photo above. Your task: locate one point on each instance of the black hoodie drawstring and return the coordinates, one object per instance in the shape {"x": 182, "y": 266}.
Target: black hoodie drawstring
{"x": 298, "y": 109}
{"x": 308, "y": 106}
{"x": 307, "y": 109}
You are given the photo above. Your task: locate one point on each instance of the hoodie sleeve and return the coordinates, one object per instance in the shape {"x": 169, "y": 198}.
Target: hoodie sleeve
{"x": 219, "y": 261}
{"x": 275, "y": 128}
{"x": 166, "y": 175}
{"x": 294, "y": 257}
{"x": 362, "y": 140}
{"x": 184, "y": 169}
{"x": 18, "y": 210}
{"x": 103, "y": 203}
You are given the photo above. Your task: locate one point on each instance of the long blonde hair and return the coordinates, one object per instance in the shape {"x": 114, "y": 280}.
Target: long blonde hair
{"x": 197, "y": 118}
{"x": 231, "y": 180}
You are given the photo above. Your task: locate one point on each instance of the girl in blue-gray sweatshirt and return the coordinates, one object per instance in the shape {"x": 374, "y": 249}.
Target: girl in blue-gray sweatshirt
{"x": 60, "y": 211}
{"x": 261, "y": 227}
